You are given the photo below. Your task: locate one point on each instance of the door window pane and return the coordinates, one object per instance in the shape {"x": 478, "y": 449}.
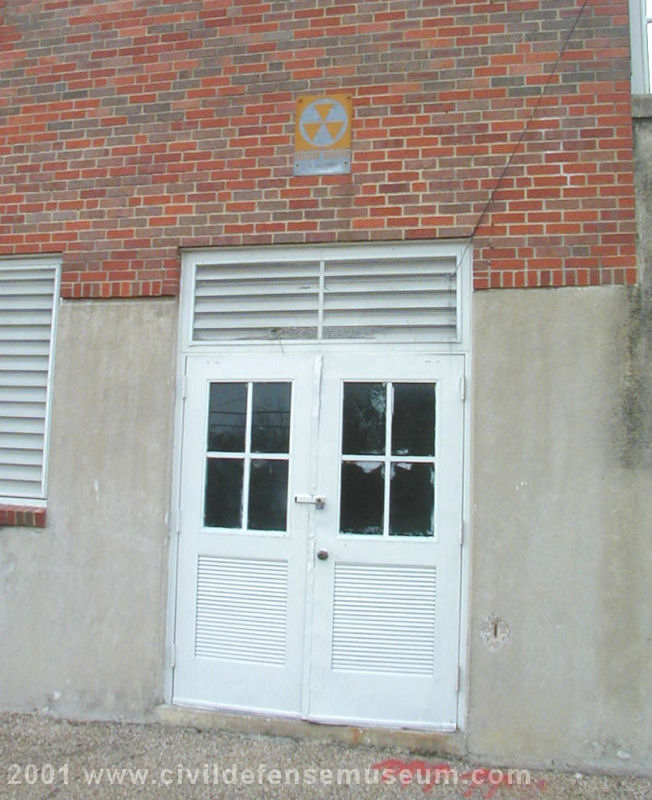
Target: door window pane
{"x": 227, "y": 417}
{"x": 412, "y": 499}
{"x": 413, "y": 420}
{"x": 268, "y": 495}
{"x": 247, "y": 418}
{"x": 223, "y": 497}
{"x": 270, "y": 423}
{"x": 393, "y": 495}
{"x": 361, "y": 502}
{"x": 363, "y": 430}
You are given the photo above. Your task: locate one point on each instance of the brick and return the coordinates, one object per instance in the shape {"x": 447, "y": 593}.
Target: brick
{"x": 22, "y": 516}
{"x": 177, "y": 131}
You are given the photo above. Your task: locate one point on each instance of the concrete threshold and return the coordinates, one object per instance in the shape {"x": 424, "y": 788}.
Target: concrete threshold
{"x": 427, "y": 742}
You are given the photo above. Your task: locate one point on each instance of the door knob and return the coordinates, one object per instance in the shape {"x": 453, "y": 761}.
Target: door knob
{"x": 322, "y": 555}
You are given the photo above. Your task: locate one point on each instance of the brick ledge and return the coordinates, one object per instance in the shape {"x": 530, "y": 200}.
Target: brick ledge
{"x": 22, "y": 516}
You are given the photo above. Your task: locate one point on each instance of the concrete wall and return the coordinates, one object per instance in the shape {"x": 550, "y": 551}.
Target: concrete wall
{"x": 562, "y": 510}
{"x": 562, "y": 503}
{"x": 82, "y": 608}
{"x": 640, "y": 332}
{"x": 642, "y": 117}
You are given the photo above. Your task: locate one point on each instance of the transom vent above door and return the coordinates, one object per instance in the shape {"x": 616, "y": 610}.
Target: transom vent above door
{"x": 400, "y": 294}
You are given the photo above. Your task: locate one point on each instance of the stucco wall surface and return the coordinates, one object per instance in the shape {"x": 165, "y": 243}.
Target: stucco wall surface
{"x": 82, "y": 602}
{"x": 560, "y": 644}
{"x": 561, "y": 621}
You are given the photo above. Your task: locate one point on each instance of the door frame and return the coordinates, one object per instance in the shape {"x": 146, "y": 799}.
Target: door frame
{"x": 187, "y": 348}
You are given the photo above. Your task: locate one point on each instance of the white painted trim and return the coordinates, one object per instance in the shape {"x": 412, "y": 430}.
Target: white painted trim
{"x": 311, "y": 539}
{"x": 465, "y": 554}
{"x": 28, "y": 502}
{"x": 322, "y": 720}
{"x": 639, "y": 47}
{"x": 386, "y": 724}
{"x": 246, "y": 710}
{"x": 329, "y": 252}
{"x": 175, "y": 515}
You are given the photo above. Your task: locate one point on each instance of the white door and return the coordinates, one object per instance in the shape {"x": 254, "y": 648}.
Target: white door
{"x": 385, "y": 617}
{"x": 341, "y": 609}
{"x": 242, "y": 551}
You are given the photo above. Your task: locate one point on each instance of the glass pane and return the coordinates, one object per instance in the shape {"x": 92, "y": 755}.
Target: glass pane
{"x": 270, "y": 422}
{"x": 362, "y": 497}
{"x": 412, "y": 500}
{"x": 223, "y": 498}
{"x": 268, "y": 495}
{"x": 363, "y": 430}
{"x": 413, "y": 420}
{"x": 227, "y": 417}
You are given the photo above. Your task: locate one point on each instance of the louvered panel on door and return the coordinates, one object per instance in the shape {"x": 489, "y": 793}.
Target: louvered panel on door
{"x": 241, "y": 610}
{"x": 27, "y": 304}
{"x": 384, "y": 619}
{"x": 406, "y": 297}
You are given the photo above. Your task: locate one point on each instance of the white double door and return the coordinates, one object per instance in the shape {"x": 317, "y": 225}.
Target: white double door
{"x": 319, "y": 549}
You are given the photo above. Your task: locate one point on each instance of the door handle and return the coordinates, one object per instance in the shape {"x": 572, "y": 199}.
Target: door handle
{"x": 322, "y": 555}
{"x": 317, "y": 500}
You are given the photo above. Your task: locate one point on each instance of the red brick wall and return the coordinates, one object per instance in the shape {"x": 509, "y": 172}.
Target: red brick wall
{"x": 130, "y": 129}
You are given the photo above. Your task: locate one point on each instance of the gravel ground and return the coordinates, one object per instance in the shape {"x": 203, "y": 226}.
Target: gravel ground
{"x": 45, "y": 758}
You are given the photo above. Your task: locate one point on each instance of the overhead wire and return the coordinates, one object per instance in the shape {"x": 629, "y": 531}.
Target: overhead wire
{"x": 521, "y": 137}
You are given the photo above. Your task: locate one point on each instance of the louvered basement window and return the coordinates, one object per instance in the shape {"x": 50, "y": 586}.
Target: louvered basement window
{"x": 325, "y": 295}
{"x": 27, "y": 315}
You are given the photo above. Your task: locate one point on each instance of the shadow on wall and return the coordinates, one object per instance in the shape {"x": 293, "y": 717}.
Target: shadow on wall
{"x": 635, "y": 444}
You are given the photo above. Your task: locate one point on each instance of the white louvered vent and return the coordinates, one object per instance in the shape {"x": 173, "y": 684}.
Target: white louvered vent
{"x": 27, "y": 308}
{"x": 256, "y": 301}
{"x": 241, "y": 610}
{"x": 406, "y": 298}
{"x": 384, "y": 619}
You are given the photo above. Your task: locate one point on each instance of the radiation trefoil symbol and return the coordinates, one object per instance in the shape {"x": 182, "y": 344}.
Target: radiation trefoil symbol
{"x": 323, "y": 122}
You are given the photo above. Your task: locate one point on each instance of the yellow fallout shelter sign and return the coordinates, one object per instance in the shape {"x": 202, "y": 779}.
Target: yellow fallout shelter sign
{"x": 322, "y": 135}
